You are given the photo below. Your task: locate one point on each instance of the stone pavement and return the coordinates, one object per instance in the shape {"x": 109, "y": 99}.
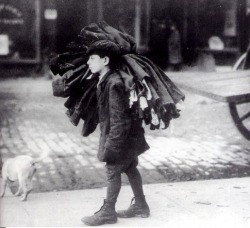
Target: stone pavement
{"x": 194, "y": 204}
{"x": 202, "y": 144}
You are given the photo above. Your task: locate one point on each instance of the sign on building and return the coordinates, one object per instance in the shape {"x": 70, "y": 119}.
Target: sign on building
{"x": 19, "y": 31}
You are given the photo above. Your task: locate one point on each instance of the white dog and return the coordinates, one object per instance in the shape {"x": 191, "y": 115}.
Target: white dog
{"x": 20, "y": 168}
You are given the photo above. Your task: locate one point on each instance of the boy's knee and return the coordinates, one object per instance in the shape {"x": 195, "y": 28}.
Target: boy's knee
{"x": 112, "y": 172}
{"x": 133, "y": 164}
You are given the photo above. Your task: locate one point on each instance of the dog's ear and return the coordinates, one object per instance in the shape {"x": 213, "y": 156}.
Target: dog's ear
{"x": 33, "y": 163}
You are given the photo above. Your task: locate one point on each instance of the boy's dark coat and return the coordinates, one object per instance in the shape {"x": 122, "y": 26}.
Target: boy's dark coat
{"x": 121, "y": 137}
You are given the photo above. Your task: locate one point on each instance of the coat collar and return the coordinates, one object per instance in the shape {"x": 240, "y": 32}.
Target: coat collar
{"x": 102, "y": 83}
{"x": 105, "y": 77}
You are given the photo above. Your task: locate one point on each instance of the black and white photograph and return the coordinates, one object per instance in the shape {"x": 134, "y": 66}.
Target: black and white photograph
{"x": 125, "y": 113}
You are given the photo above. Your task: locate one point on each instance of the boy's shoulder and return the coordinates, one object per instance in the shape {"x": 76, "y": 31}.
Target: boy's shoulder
{"x": 115, "y": 78}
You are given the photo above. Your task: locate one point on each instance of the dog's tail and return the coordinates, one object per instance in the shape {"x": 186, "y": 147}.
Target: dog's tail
{"x": 40, "y": 158}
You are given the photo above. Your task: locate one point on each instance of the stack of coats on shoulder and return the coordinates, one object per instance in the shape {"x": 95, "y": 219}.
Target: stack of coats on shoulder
{"x": 153, "y": 96}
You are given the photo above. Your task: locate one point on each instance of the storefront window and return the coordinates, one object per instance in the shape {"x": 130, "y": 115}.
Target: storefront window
{"x": 130, "y": 16}
{"x": 19, "y": 31}
{"x": 248, "y": 21}
{"x": 120, "y": 14}
{"x": 217, "y": 24}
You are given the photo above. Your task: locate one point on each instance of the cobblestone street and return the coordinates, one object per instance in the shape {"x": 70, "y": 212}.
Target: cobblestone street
{"x": 202, "y": 144}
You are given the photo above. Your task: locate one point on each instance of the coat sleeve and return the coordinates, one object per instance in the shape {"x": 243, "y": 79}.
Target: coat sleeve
{"x": 120, "y": 121}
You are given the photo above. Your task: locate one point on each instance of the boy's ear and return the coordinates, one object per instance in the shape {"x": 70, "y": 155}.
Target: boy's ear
{"x": 106, "y": 60}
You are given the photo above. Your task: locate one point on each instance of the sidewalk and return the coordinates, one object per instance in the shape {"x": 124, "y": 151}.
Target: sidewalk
{"x": 213, "y": 203}
{"x": 202, "y": 144}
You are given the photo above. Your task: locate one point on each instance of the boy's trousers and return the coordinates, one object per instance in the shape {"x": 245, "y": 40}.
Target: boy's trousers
{"x": 114, "y": 171}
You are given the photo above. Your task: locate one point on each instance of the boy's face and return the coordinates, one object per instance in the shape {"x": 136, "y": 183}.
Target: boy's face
{"x": 96, "y": 63}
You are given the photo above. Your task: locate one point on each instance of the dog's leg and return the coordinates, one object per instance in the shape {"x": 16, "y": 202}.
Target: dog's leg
{"x": 27, "y": 184}
{"x": 4, "y": 184}
{"x": 26, "y": 189}
{"x": 24, "y": 196}
{"x": 4, "y": 180}
{"x": 22, "y": 185}
{"x": 19, "y": 191}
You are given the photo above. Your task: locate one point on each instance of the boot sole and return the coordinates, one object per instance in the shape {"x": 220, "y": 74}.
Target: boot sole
{"x": 136, "y": 215}
{"x": 143, "y": 215}
{"x": 101, "y": 222}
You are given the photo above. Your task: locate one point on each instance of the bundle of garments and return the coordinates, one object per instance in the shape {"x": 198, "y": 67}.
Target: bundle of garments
{"x": 153, "y": 96}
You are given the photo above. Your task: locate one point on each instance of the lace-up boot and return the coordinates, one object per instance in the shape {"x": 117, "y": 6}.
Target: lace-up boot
{"x": 106, "y": 215}
{"x": 139, "y": 209}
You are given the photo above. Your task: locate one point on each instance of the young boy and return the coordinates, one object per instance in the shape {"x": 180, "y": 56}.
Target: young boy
{"x": 122, "y": 138}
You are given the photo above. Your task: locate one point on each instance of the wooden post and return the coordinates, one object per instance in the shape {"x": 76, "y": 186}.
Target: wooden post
{"x": 138, "y": 22}
{"x": 89, "y": 10}
{"x": 185, "y": 22}
{"x": 148, "y": 19}
{"x": 100, "y": 10}
{"x": 38, "y": 31}
{"x": 242, "y": 25}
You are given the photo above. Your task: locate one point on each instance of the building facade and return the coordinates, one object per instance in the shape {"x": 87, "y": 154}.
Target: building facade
{"x": 31, "y": 29}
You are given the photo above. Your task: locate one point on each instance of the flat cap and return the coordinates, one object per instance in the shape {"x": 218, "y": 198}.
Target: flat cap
{"x": 104, "y": 48}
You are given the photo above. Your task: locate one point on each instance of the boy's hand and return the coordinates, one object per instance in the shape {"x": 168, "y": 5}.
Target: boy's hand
{"x": 111, "y": 156}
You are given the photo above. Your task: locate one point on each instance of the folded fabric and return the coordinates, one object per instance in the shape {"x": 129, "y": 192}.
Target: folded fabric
{"x": 64, "y": 86}
{"x": 153, "y": 96}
